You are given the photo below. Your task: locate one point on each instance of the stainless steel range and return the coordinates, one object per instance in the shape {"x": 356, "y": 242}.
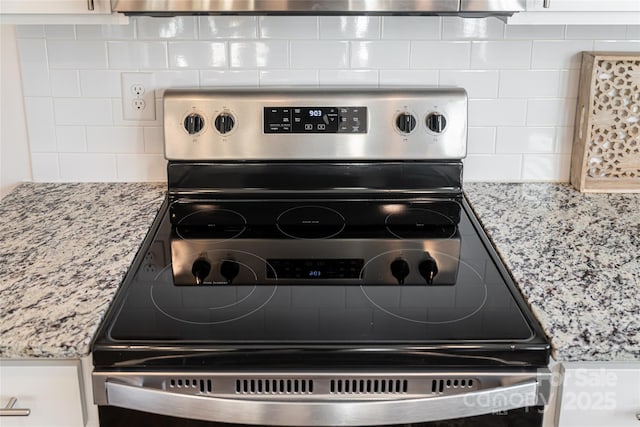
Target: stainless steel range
{"x": 316, "y": 263}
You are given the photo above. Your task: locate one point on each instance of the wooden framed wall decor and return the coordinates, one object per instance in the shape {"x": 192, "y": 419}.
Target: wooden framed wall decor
{"x": 606, "y": 141}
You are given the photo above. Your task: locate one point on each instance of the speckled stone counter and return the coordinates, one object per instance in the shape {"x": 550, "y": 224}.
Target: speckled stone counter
{"x": 576, "y": 258}
{"x": 64, "y": 251}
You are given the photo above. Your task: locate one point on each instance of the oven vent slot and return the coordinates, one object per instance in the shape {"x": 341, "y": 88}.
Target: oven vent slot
{"x": 368, "y": 386}
{"x": 274, "y": 386}
{"x": 185, "y": 384}
{"x": 444, "y": 386}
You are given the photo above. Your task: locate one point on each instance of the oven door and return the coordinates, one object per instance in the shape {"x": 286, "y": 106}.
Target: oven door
{"x": 321, "y": 399}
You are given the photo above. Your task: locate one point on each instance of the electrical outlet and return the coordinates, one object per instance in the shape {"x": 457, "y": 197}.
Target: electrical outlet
{"x": 138, "y": 97}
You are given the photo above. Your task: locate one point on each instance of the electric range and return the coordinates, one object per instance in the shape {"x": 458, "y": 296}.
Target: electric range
{"x": 316, "y": 263}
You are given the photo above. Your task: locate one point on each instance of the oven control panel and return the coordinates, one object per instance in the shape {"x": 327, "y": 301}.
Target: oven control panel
{"x": 371, "y": 124}
{"x": 315, "y": 120}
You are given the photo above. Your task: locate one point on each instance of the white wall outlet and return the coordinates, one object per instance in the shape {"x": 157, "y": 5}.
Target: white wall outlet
{"x": 138, "y": 97}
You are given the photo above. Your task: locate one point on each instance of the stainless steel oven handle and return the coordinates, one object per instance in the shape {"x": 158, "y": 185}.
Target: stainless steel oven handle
{"x": 321, "y": 412}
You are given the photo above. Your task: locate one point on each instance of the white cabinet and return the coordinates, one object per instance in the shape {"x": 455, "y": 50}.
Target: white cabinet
{"x": 579, "y": 12}
{"x": 55, "y": 6}
{"x": 600, "y": 394}
{"x": 58, "y": 12}
{"x": 53, "y": 391}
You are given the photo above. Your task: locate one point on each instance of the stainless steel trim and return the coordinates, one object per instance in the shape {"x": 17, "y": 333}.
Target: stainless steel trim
{"x": 90, "y": 5}
{"x": 492, "y": 5}
{"x": 546, "y": 4}
{"x": 315, "y": 413}
{"x": 382, "y": 141}
{"x": 10, "y": 411}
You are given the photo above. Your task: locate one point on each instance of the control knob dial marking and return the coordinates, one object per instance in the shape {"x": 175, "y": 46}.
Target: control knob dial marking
{"x": 224, "y": 123}
{"x": 405, "y": 122}
{"x": 193, "y": 123}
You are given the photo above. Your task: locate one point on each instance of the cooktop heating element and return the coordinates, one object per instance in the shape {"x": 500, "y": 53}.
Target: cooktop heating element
{"x": 316, "y": 254}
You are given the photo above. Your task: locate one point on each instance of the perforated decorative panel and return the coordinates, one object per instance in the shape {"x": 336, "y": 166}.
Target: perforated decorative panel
{"x": 606, "y": 143}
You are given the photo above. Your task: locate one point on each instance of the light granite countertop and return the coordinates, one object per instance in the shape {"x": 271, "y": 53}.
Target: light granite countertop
{"x": 65, "y": 250}
{"x": 576, "y": 259}
{"x": 66, "y": 247}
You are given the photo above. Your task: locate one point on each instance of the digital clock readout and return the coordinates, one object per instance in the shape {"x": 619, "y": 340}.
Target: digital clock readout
{"x": 349, "y": 268}
{"x": 315, "y": 113}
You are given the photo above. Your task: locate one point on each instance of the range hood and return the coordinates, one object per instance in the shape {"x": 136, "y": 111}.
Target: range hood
{"x": 465, "y": 8}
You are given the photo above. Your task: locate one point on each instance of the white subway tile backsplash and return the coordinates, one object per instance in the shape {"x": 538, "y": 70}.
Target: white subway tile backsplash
{"x": 380, "y": 54}
{"x": 115, "y": 139}
{"x": 228, "y": 27}
{"x": 82, "y": 111}
{"x": 71, "y": 139}
{"x": 546, "y": 167}
{"x": 500, "y": 54}
{"x": 349, "y": 27}
{"x": 259, "y": 54}
{"x": 454, "y": 28}
{"x": 153, "y": 140}
{"x": 141, "y": 167}
{"x": 288, "y": 27}
{"x": 100, "y": 83}
{"x": 176, "y": 28}
{"x": 76, "y": 54}
{"x": 40, "y": 124}
{"x": 64, "y": 83}
{"x": 228, "y": 78}
{"x": 528, "y": 84}
{"x": 197, "y": 54}
{"x": 558, "y": 54}
{"x": 590, "y": 32}
{"x": 106, "y": 32}
{"x": 440, "y": 55}
{"x": 134, "y": 54}
{"x": 522, "y": 81}
{"x": 30, "y": 31}
{"x": 319, "y": 54}
{"x": 481, "y": 140}
{"x": 492, "y": 167}
{"x": 411, "y": 27}
{"x": 633, "y": 32}
{"x": 564, "y": 140}
{"x": 568, "y": 84}
{"x": 409, "y": 77}
{"x": 45, "y": 167}
{"x": 550, "y": 112}
{"x": 478, "y": 83}
{"x": 534, "y": 32}
{"x": 525, "y": 140}
{"x": 497, "y": 112}
{"x": 610, "y": 45}
{"x": 60, "y": 32}
{"x": 367, "y": 78}
{"x": 87, "y": 167}
{"x": 284, "y": 78}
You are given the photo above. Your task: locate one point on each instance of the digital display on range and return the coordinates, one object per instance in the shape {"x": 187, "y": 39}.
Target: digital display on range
{"x": 315, "y": 119}
{"x": 315, "y": 268}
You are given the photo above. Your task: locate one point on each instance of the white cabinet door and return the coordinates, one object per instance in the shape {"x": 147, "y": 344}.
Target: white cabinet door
{"x": 585, "y": 5}
{"x": 51, "y": 389}
{"x": 604, "y": 394}
{"x": 55, "y": 6}
{"x": 579, "y": 12}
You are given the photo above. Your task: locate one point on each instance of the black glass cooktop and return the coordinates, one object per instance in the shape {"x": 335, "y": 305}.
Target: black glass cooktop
{"x": 478, "y": 308}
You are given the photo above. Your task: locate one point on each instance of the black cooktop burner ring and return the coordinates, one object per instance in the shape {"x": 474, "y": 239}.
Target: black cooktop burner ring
{"x": 426, "y": 322}
{"x": 399, "y": 236}
{"x": 233, "y": 304}
{"x": 242, "y": 224}
{"x": 333, "y": 232}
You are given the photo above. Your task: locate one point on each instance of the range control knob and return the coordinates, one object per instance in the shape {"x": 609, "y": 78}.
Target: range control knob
{"x": 193, "y": 123}
{"x": 428, "y": 268}
{"x": 224, "y": 123}
{"x": 436, "y": 122}
{"x": 405, "y": 122}
{"x": 400, "y": 270}
{"x": 200, "y": 270}
{"x": 229, "y": 270}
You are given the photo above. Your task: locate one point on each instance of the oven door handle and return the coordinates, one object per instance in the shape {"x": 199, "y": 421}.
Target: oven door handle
{"x": 322, "y": 412}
